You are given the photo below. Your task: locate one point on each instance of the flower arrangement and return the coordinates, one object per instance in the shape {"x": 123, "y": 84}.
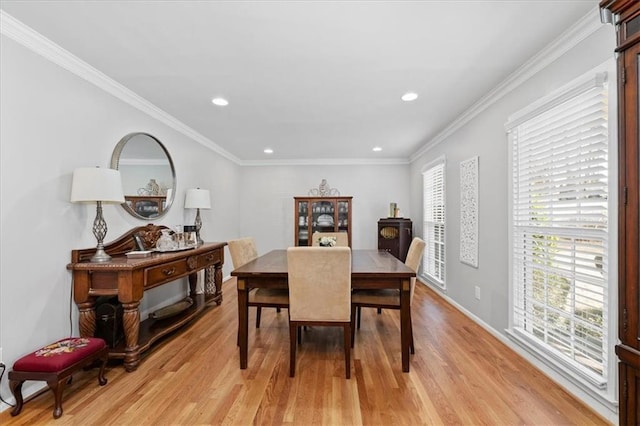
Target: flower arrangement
{"x": 327, "y": 241}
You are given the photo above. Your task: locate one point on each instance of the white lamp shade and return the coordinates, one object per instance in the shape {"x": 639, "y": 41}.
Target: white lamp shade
{"x": 91, "y": 184}
{"x": 197, "y": 199}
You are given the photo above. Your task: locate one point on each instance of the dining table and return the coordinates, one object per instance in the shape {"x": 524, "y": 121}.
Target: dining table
{"x": 370, "y": 269}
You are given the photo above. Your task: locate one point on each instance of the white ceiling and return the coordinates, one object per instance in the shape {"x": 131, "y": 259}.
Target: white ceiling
{"x": 309, "y": 79}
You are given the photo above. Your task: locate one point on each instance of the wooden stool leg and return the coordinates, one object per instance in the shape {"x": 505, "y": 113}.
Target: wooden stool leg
{"x": 57, "y": 387}
{"x": 101, "y": 379}
{"x": 16, "y": 390}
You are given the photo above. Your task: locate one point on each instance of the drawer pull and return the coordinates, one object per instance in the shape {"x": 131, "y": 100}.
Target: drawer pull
{"x": 210, "y": 258}
{"x": 169, "y": 272}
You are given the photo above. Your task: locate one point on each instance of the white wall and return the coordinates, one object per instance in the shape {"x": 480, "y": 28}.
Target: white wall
{"x": 267, "y": 210}
{"x": 52, "y": 122}
{"x": 485, "y": 137}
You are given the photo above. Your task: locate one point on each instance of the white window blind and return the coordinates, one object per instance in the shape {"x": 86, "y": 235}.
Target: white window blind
{"x": 434, "y": 223}
{"x": 560, "y": 229}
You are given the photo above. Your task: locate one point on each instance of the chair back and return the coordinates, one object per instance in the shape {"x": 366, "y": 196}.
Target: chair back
{"x": 319, "y": 283}
{"x": 342, "y": 238}
{"x": 242, "y": 250}
{"x": 414, "y": 257}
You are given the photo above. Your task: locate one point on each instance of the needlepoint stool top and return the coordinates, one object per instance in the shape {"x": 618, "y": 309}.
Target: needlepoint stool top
{"x": 59, "y": 355}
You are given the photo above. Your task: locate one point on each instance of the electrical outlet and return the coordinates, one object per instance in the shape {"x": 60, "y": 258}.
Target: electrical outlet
{"x": 477, "y": 292}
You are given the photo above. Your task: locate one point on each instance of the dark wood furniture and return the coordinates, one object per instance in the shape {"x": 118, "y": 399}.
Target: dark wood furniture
{"x": 146, "y": 205}
{"x": 56, "y": 370}
{"x": 395, "y": 235}
{"x": 321, "y": 214}
{"x": 627, "y": 21}
{"x": 370, "y": 269}
{"x": 130, "y": 278}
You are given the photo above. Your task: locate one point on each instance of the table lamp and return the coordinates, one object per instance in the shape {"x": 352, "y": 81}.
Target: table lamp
{"x": 93, "y": 184}
{"x": 198, "y": 199}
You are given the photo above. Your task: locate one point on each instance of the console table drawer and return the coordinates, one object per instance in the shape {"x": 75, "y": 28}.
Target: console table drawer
{"x": 209, "y": 259}
{"x": 166, "y": 272}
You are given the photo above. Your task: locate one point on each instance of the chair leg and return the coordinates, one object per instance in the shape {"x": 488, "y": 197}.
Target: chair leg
{"x": 353, "y": 324}
{"x": 359, "y": 314}
{"x": 293, "y": 330}
{"x": 258, "y": 314}
{"x": 278, "y": 309}
{"x": 379, "y": 311}
{"x": 347, "y": 348}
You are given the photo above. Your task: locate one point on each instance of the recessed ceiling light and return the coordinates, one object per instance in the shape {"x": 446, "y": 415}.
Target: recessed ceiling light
{"x": 268, "y": 151}
{"x": 220, "y": 101}
{"x": 377, "y": 149}
{"x": 409, "y": 96}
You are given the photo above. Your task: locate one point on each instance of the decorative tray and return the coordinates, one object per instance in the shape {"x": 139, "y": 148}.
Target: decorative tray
{"x": 137, "y": 254}
{"x": 172, "y": 250}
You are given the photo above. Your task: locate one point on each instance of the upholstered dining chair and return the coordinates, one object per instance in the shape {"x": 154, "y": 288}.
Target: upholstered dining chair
{"x": 387, "y": 298}
{"x": 342, "y": 238}
{"x": 319, "y": 294}
{"x": 243, "y": 250}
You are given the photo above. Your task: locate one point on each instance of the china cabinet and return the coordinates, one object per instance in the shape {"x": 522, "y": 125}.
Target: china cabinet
{"x": 321, "y": 214}
{"x": 394, "y": 236}
{"x": 626, "y": 14}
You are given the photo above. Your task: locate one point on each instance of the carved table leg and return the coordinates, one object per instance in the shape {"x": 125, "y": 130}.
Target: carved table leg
{"x": 213, "y": 283}
{"x": 87, "y": 318}
{"x": 131, "y": 323}
{"x": 193, "y": 283}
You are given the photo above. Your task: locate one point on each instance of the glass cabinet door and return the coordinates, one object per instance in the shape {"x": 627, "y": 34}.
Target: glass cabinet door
{"x": 303, "y": 224}
{"x": 343, "y": 216}
{"x": 322, "y": 215}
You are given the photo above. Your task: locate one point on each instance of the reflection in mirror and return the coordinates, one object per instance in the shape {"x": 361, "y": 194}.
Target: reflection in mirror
{"x": 148, "y": 176}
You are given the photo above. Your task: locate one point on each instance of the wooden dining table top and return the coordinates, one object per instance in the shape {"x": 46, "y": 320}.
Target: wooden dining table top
{"x": 364, "y": 264}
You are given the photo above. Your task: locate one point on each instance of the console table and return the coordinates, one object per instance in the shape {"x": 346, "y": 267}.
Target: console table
{"x": 129, "y": 278}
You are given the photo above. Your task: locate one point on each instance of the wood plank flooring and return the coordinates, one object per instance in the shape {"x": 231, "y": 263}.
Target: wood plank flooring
{"x": 460, "y": 375}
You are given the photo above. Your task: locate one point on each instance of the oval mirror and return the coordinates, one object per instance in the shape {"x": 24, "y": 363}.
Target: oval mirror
{"x": 148, "y": 176}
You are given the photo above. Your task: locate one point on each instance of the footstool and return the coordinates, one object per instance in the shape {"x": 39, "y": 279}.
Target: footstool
{"x": 54, "y": 364}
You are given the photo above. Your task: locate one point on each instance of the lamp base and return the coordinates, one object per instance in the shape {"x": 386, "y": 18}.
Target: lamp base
{"x": 101, "y": 256}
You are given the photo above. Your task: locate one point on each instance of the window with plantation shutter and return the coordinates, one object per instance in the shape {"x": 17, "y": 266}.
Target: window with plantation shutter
{"x": 434, "y": 223}
{"x": 560, "y": 228}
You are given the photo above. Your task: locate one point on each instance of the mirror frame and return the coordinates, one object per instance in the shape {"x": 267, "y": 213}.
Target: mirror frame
{"x": 115, "y": 163}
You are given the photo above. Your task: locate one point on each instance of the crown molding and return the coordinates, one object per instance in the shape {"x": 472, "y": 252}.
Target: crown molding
{"x": 24, "y": 35}
{"x": 587, "y": 25}
{"x": 328, "y": 162}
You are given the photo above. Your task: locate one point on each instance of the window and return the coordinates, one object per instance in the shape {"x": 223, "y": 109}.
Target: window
{"x": 434, "y": 222}
{"x": 560, "y": 229}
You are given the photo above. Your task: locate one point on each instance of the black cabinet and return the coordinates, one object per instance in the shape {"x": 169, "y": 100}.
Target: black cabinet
{"x": 394, "y": 235}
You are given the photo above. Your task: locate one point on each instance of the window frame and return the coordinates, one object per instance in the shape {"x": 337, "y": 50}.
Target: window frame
{"x": 604, "y": 389}
{"x": 427, "y": 262}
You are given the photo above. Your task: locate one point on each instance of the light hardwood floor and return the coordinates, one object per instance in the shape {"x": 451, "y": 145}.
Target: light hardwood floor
{"x": 460, "y": 375}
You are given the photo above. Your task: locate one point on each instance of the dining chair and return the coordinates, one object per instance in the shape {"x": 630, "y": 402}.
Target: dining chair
{"x": 342, "y": 238}
{"x": 387, "y": 298}
{"x": 319, "y": 294}
{"x": 243, "y": 250}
